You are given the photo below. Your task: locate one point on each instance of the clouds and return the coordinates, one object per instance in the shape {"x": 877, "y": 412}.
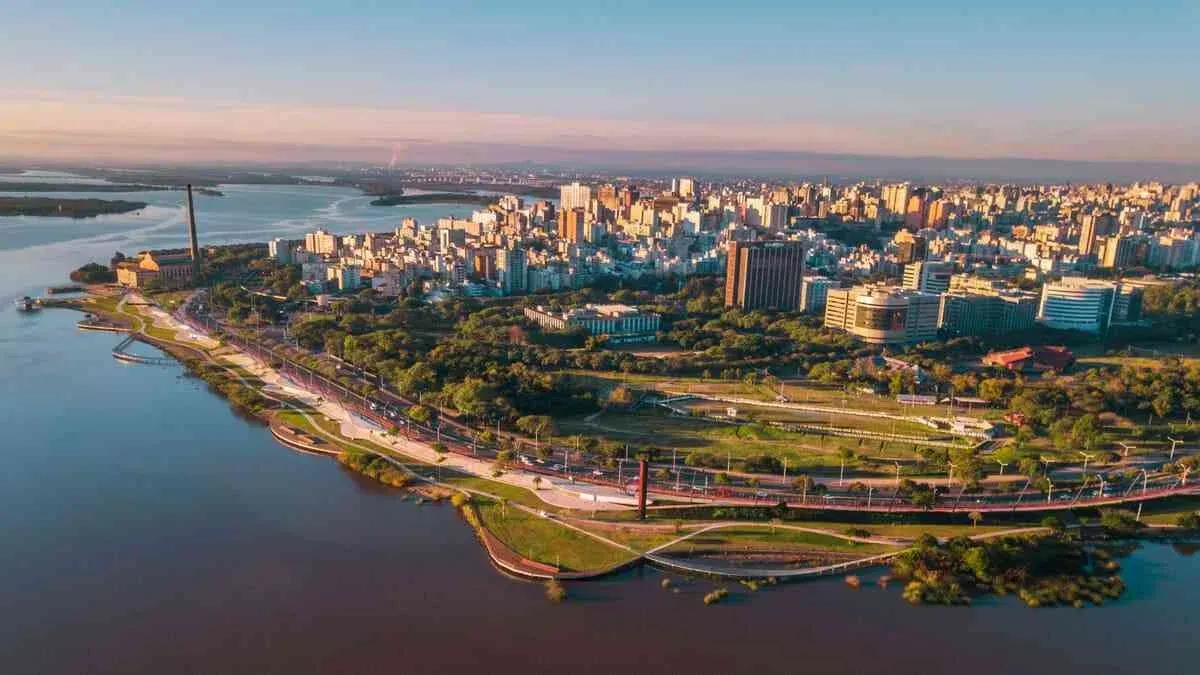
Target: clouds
{"x": 78, "y": 126}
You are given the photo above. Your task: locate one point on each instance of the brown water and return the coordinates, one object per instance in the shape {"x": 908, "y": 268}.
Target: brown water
{"x": 145, "y": 529}
{"x": 148, "y": 530}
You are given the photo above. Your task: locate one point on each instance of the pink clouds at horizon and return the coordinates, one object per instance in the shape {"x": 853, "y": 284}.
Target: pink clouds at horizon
{"x": 56, "y": 126}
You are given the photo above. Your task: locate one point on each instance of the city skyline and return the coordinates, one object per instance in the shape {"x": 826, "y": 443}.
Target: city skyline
{"x": 619, "y": 85}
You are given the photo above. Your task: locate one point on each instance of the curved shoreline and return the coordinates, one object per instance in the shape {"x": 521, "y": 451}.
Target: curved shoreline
{"x": 504, "y": 558}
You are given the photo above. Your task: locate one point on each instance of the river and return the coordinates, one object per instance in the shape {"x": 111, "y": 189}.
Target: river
{"x": 149, "y": 530}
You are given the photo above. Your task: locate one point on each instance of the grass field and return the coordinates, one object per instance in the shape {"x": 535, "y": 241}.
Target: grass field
{"x": 808, "y": 393}
{"x": 751, "y": 537}
{"x": 652, "y": 427}
{"x": 546, "y": 541}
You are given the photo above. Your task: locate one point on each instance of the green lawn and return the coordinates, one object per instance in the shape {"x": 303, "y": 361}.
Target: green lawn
{"x": 761, "y": 538}
{"x": 513, "y": 493}
{"x": 543, "y": 540}
{"x": 652, "y": 427}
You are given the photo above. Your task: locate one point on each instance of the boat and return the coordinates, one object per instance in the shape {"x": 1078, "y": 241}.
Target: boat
{"x": 28, "y": 304}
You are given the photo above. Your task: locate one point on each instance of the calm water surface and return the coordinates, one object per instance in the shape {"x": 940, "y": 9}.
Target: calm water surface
{"x": 146, "y": 529}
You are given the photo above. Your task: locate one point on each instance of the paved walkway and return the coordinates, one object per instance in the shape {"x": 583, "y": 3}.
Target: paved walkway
{"x": 559, "y": 493}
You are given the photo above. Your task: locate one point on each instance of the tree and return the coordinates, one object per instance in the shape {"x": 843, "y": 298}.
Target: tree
{"x": 975, "y": 517}
{"x": 993, "y": 389}
{"x": 1119, "y": 522}
{"x": 1189, "y": 520}
{"x": 536, "y": 425}
{"x": 923, "y": 497}
{"x": 420, "y": 414}
{"x": 473, "y": 397}
{"x": 537, "y": 482}
{"x": 1053, "y": 523}
{"x": 620, "y": 396}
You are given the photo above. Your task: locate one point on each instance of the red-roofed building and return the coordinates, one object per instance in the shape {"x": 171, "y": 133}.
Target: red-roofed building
{"x": 1038, "y": 359}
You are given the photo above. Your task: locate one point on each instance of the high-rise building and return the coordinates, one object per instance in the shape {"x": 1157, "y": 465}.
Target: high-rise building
{"x": 1092, "y": 226}
{"x": 626, "y": 196}
{"x": 574, "y": 196}
{"x": 895, "y": 201}
{"x": 686, "y": 187}
{"x": 914, "y": 213}
{"x": 346, "y": 277}
{"x": 940, "y": 212}
{"x": 1121, "y": 251}
{"x": 931, "y": 277}
{"x": 994, "y": 313}
{"x": 910, "y": 247}
{"x": 607, "y": 196}
{"x": 764, "y": 274}
{"x": 775, "y": 217}
{"x": 321, "y": 243}
{"x": 573, "y": 225}
{"x": 883, "y": 314}
{"x": 510, "y": 266}
{"x": 1088, "y": 305}
{"x": 813, "y": 292}
{"x": 283, "y": 250}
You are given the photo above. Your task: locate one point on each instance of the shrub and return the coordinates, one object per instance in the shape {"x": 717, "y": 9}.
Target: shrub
{"x": 555, "y": 591}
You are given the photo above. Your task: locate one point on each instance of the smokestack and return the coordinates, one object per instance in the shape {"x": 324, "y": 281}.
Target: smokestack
{"x": 193, "y": 244}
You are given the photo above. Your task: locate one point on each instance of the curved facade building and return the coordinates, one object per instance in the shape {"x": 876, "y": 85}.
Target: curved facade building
{"x": 1088, "y": 305}
{"x": 883, "y": 314}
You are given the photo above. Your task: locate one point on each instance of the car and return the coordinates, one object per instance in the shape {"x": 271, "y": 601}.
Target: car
{"x": 597, "y": 473}
{"x": 525, "y": 460}
{"x": 558, "y": 467}
{"x": 1063, "y": 498}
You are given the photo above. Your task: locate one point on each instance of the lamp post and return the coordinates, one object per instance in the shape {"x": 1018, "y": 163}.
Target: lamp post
{"x": 1086, "y": 457}
{"x": 1174, "y": 442}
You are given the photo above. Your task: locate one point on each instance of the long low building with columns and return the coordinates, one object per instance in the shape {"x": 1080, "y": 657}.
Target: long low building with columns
{"x": 621, "y": 323}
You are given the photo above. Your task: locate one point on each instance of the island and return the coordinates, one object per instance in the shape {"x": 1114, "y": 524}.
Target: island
{"x": 100, "y": 187}
{"x": 65, "y": 208}
{"x": 433, "y": 198}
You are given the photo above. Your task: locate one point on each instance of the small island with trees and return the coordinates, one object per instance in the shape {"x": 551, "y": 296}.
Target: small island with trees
{"x": 65, "y": 208}
{"x": 433, "y": 198}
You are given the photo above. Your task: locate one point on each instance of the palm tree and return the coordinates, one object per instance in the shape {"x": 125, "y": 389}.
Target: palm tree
{"x": 537, "y": 482}
{"x": 975, "y": 517}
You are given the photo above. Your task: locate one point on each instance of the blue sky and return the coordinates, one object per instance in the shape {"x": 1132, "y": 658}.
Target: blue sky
{"x": 958, "y": 78}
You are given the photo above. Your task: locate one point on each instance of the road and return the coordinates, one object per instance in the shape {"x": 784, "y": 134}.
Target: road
{"x": 386, "y": 408}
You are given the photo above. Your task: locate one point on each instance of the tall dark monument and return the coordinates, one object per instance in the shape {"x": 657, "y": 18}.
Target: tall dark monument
{"x": 193, "y": 244}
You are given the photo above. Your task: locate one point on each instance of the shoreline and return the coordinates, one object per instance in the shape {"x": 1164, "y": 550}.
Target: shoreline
{"x": 272, "y": 385}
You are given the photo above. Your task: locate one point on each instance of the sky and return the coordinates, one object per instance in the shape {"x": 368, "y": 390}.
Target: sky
{"x": 414, "y": 82}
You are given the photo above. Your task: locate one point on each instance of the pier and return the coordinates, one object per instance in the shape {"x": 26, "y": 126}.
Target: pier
{"x": 121, "y": 353}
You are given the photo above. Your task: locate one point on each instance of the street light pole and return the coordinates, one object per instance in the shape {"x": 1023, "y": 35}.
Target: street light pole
{"x": 1174, "y": 442}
